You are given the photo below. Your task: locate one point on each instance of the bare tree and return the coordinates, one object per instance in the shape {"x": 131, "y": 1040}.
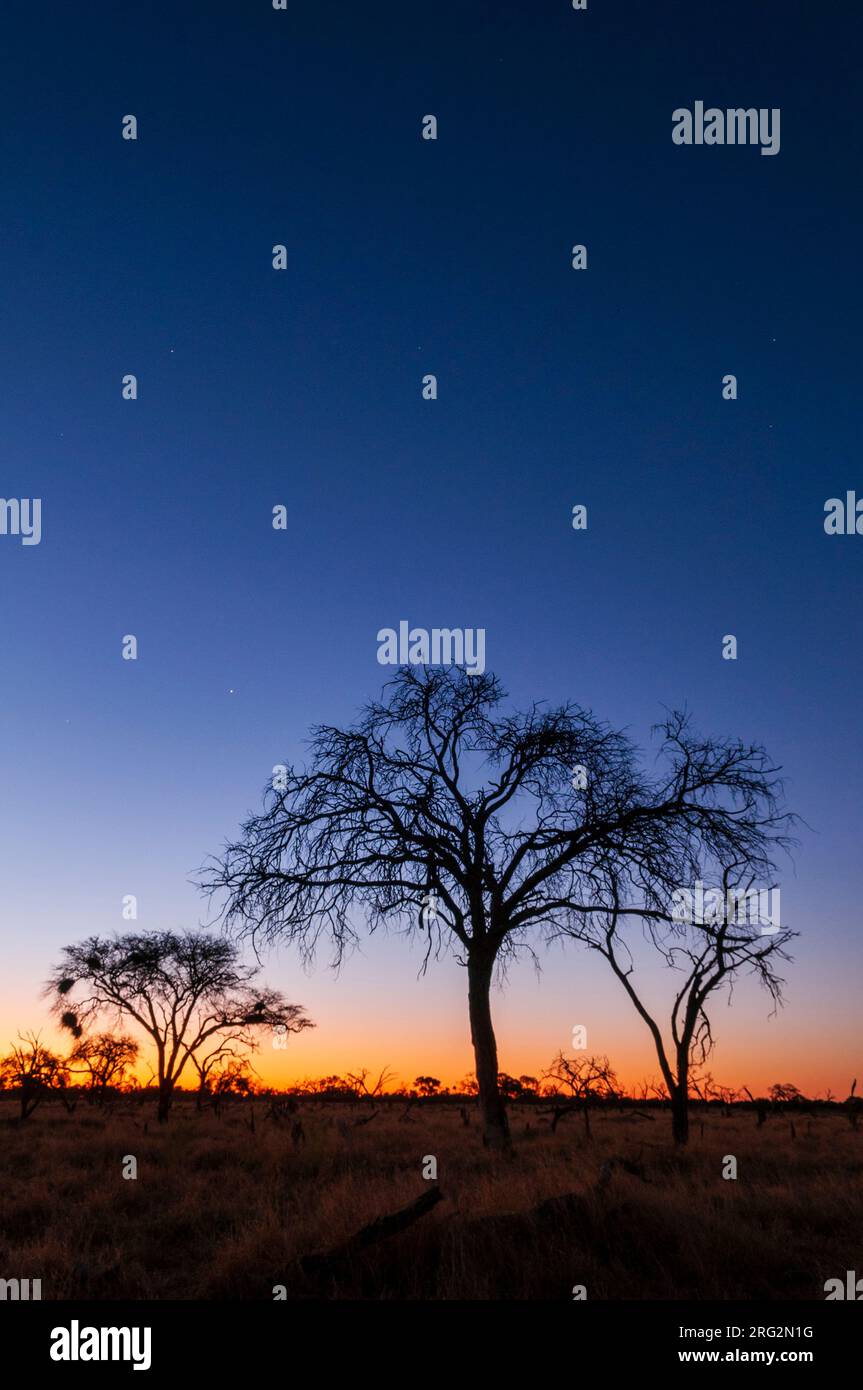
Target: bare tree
{"x": 710, "y": 1090}
{"x": 588, "y": 1079}
{"x": 438, "y": 813}
{"x": 705, "y": 955}
{"x": 182, "y": 989}
{"x": 853, "y": 1105}
{"x": 33, "y": 1071}
{"x": 361, "y": 1082}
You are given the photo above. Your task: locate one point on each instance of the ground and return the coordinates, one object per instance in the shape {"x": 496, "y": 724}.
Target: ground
{"x": 221, "y": 1210}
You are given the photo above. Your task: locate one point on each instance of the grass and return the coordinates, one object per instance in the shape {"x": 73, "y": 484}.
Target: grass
{"x": 219, "y": 1211}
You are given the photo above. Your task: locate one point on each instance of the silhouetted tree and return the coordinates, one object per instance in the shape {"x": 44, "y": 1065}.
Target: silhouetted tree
{"x": 587, "y": 1079}
{"x": 231, "y": 1077}
{"x": 784, "y": 1093}
{"x": 33, "y": 1071}
{"x": 362, "y": 1084}
{"x": 508, "y": 1086}
{"x": 209, "y": 1064}
{"x": 705, "y": 955}
{"x": 336, "y": 1088}
{"x": 427, "y": 1085}
{"x": 476, "y": 829}
{"x": 182, "y": 989}
{"x": 709, "y": 1090}
{"x": 105, "y": 1058}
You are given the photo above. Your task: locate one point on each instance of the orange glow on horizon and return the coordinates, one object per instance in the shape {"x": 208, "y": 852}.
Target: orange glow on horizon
{"x": 307, "y": 1059}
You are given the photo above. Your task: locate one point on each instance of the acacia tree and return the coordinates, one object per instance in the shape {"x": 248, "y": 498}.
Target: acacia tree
{"x": 705, "y": 956}
{"x": 439, "y": 813}
{"x": 183, "y": 989}
{"x": 427, "y": 1086}
{"x": 105, "y": 1058}
{"x": 784, "y": 1093}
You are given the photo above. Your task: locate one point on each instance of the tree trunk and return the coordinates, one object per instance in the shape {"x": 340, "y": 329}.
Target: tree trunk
{"x": 680, "y": 1113}
{"x": 166, "y": 1095}
{"x": 495, "y": 1123}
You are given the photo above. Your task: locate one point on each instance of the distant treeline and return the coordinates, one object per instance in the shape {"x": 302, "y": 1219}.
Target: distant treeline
{"x": 240, "y": 1083}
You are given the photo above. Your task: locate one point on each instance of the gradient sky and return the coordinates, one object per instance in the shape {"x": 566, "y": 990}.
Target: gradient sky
{"x": 302, "y": 388}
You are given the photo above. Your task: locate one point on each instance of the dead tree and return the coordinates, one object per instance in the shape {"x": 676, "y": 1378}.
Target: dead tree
{"x": 853, "y": 1106}
{"x": 760, "y": 1107}
{"x": 359, "y": 1082}
{"x": 477, "y": 829}
{"x": 34, "y": 1072}
{"x": 588, "y": 1080}
{"x": 705, "y": 955}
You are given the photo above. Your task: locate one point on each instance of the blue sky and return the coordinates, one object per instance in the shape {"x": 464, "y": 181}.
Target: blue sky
{"x": 303, "y": 388}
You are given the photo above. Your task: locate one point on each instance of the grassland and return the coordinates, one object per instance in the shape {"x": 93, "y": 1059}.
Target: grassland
{"x": 221, "y": 1210}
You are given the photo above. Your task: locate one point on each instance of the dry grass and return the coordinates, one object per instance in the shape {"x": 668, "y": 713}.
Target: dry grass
{"x": 219, "y": 1211}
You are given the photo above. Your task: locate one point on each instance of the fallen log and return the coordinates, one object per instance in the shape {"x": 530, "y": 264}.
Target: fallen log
{"x": 380, "y": 1229}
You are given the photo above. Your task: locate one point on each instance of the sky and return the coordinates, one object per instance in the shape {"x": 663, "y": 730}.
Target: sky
{"x": 303, "y": 388}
